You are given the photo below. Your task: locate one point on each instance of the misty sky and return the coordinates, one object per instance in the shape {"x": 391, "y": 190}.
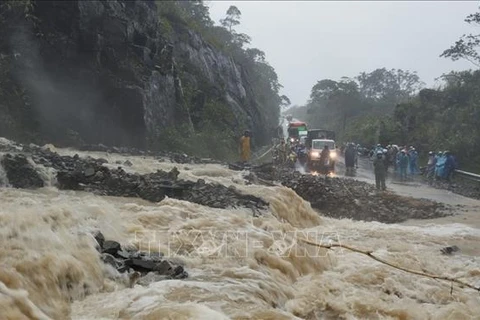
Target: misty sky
{"x": 306, "y": 41}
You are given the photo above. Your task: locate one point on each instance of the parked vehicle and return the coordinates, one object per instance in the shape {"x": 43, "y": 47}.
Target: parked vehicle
{"x": 318, "y": 134}
{"x": 296, "y": 130}
{"x": 315, "y": 163}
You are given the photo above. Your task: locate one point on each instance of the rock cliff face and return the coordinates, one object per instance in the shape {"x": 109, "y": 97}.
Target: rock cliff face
{"x": 111, "y": 72}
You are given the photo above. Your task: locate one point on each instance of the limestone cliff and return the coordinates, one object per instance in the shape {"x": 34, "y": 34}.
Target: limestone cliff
{"x": 112, "y": 72}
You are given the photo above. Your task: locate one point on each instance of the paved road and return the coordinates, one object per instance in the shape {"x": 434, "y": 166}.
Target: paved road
{"x": 468, "y": 210}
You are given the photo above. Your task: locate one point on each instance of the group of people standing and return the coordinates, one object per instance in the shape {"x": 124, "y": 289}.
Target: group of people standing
{"x": 404, "y": 161}
{"x": 441, "y": 166}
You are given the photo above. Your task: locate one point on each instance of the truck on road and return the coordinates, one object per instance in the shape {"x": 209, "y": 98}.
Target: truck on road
{"x": 296, "y": 130}
{"x": 318, "y": 134}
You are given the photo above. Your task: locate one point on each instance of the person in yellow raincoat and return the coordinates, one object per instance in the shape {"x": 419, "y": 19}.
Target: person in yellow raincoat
{"x": 245, "y": 146}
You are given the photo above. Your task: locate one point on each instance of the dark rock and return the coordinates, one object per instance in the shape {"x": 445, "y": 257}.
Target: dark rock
{"x": 449, "y": 250}
{"x": 99, "y": 237}
{"x": 20, "y": 173}
{"x": 180, "y": 273}
{"x": 89, "y": 172}
{"x": 124, "y": 254}
{"x": 109, "y": 259}
{"x": 128, "y": 163}
{"x": 99, "y": 175}
{"x": 111, "y": 247}
{"x": 164, "y": 268}
{"x": 143, "y": 266}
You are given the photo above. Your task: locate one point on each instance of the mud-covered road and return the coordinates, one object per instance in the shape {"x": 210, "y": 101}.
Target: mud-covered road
{"x": 467, "y": 210}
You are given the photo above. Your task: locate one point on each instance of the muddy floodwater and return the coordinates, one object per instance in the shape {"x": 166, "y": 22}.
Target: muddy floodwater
{"x": 240, "y": 266}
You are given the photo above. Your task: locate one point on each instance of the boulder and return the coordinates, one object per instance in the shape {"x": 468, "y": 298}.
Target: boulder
{"x": 20, "y": 173}
{"x": 111, "y": 247}
{"x": 100, "y": 238}
{"x": 89, "y": 172}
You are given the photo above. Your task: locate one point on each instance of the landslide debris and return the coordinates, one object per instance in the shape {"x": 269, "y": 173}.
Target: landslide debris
{"x": 137, "y": 263}
{"x": 348, "y": 198}
{"x": 333, "y": 197}
{"x": 90, "y": 174}
{"x": 20, "y": 173}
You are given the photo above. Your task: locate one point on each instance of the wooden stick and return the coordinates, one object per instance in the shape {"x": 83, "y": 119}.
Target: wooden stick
{"x": 369, "y": 254}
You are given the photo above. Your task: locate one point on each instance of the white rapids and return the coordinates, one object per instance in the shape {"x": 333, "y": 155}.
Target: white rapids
{"x": 240, "y": 266}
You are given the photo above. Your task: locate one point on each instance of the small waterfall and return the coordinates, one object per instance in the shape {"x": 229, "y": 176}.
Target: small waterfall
{"x": 48, "y": 175}
{"x": 3, "y": 174}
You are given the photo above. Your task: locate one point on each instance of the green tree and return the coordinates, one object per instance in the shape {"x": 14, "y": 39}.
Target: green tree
{"x": 232, "y": 19}
{"x": 389, "y": 86}
{"x": 467, "y": 47}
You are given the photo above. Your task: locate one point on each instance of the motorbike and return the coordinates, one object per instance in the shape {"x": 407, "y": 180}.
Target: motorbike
{"x": 302, "y": 157}
{"x": 291, "y": 159}
{"x": 325, "y": 167}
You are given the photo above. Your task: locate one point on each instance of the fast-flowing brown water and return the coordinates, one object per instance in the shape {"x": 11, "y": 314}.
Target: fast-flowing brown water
{"x": 240, "y": 266}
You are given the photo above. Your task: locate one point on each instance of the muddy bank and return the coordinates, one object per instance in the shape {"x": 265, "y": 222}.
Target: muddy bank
{"x": 90, "y": 174}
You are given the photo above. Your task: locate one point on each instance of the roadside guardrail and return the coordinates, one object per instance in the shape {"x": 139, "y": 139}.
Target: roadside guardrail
{"x": 468, "y": 175}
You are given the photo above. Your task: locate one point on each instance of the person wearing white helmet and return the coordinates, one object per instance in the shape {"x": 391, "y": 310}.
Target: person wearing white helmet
{"x": 403, "y": 165}
{"x": 379, "y": 169}
{"x": 432, "y": 161}
{"x": 413, "y": 157}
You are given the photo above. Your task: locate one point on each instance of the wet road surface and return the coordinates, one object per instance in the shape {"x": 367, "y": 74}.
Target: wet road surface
{"x": 467, "y": 210}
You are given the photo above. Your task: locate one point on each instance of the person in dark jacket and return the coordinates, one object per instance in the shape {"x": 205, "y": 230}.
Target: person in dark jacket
{"x": 349, "y": 159}
{"x": 324, "y": 158}
{"x": 380, "y": 171}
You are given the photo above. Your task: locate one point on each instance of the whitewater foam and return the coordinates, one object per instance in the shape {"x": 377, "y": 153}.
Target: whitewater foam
{"x": 240, "y": 266}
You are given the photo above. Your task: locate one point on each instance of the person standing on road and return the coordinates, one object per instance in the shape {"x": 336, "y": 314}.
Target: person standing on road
{"x": 403, "y": 165}
{"x": 283, "y": 151}
{"x": 245, "y": 146}
{"x": 449, "y": 166}
{"x": 432, "y": 161}
{"x": 349, "y": 159}
{"x": 413, "y": 160}
{"x": 380, "y": 172}
{"x": 324, "y": 158}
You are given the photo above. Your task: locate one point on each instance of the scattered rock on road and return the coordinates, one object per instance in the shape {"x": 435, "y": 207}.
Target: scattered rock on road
{"x": 352, "y": 199}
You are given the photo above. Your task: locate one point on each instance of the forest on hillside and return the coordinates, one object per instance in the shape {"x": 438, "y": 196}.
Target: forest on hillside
{"x": 158, "y": 75}
{"x": 392, "y": 106}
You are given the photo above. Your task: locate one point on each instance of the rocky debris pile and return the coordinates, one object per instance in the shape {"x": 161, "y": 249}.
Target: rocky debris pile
{"x": 9, "y": 146}
{"x": 13, "y": 147}
{"x": 357, "y": 200}
{"x": 220, "y": 196}
{"x": 89, "y": 174}
{"x": 464, "y": 187}
{"x": 20, "y": 173}
{"x": 128, "y": 261}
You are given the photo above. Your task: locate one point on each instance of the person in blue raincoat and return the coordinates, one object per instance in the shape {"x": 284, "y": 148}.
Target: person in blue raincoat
{"x": 440, "y": 166}
{"x": 403, "y": 165}
{"x": 449, "y": 166}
